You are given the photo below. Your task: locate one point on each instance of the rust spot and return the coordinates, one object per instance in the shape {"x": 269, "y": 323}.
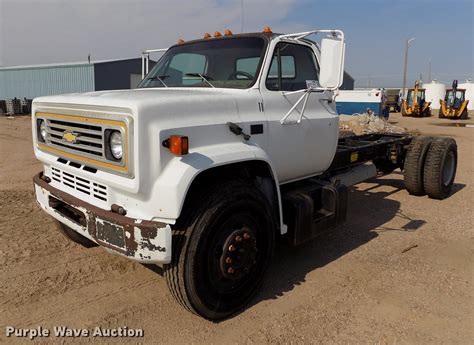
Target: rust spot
{"x": 93, "y": 215}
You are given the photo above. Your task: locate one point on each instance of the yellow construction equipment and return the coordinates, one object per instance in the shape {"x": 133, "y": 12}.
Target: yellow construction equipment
{"x": 414, "y": 104}
{"x": 454, "y": 104}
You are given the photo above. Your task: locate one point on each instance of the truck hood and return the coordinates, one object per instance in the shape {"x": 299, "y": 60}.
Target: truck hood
{"x": 146, "y": 101}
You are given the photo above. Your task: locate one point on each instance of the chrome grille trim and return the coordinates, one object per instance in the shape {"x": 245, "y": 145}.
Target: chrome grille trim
{"x": 90, "y": 137}
{"x": 84, "y": 130}
{"x": 77, "y": 147}
{"x": 80, "y": 184}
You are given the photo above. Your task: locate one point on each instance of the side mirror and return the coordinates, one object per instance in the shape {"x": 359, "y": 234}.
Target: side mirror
{"x": 332, "y": 62}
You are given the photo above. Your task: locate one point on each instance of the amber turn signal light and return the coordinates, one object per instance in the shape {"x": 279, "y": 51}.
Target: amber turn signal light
{"x": 177, "y": 144}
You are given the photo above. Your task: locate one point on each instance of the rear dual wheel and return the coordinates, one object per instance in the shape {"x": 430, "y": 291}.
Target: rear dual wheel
{"x": 430, "y": 166}
{"x": 440, "y": 168}
{"x": 415, "y": 165}
{"x": 220, "y": 253}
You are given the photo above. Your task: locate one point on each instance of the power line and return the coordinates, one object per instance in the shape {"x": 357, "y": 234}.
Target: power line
{"x": 242, "y": 16}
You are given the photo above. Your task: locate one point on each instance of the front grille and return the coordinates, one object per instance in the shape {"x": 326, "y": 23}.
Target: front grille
{"x": 79, "y": 184}
{"x": 89, "y": 138}
{"x": 84, "y": 139}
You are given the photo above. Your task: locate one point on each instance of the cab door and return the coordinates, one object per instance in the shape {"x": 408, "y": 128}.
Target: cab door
{"x": 304, "y": 143}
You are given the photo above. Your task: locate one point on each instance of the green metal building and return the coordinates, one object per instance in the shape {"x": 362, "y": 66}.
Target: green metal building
{"x": 42, "y": 80}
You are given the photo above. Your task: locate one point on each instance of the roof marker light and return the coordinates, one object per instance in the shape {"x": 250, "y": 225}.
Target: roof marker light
{"x": 227, "y": 32}
{"x": 207, "y": 35}
{"x": 217, "y": 34}
{"x": 180, "y": 41}
{"x": 267, "y": 30}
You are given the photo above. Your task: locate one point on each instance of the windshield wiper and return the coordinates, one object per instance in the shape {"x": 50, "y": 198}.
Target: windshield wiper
{"x": 203, "y": 77}
{"x": 159, "y": 78}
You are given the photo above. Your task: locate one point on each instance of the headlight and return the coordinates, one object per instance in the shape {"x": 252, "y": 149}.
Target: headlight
{"x": 42, "y": 130}
{"x": 116, "y": 145}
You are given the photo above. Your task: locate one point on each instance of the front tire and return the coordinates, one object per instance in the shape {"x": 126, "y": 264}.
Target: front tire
{"x": 220, "y": 253}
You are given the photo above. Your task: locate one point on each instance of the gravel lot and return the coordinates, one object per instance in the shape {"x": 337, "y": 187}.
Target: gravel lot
{"x": 399, "y": 271}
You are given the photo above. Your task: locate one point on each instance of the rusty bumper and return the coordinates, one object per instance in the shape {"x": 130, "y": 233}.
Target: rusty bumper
{"x": 139, "y": 240}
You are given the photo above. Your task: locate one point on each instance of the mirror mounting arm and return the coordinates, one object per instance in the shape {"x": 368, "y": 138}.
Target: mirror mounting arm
{"x": 304, "y": 98}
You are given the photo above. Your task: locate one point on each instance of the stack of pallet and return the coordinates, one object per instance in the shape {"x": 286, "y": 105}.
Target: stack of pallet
{"x": 26, "y": 105}
{"x": 3, "y": 107}
{"x": 13, "y": 106}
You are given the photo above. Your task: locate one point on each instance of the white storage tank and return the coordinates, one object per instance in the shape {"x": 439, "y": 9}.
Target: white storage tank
{"x": 434, "y": 91}
{"x": 469, "y": 87}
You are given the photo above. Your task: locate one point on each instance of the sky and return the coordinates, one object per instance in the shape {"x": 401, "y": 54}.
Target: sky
{"x": 51, "y": 31}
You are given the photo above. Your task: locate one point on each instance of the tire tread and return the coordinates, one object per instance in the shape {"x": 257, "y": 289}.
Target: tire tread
{"x": 414, "y": 165}
{"x": 434, "y": 167}
{"x": 208, "y": 202}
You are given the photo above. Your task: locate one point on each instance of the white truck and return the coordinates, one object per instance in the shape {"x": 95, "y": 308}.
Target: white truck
{"x": 228, "y": 143}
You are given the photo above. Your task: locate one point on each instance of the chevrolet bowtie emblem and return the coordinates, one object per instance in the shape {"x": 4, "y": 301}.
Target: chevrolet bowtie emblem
{"x": 70, "y": 137}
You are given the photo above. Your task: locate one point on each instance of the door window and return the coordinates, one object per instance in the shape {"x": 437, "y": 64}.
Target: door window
{"x": 293, "y": 67}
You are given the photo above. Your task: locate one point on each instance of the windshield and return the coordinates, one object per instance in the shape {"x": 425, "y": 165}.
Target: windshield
{"x": 420, "y": 97}
{"x": 450, "y": 96}
{"x": 226, "y": 63}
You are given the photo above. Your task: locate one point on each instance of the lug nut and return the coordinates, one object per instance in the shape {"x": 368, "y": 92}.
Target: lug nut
{"x": 238, "y": 238}
{"x": 246, "y": 236}
{"x": 231, "y": 248}
{"x": 228, "y": 260}
{"x": 230, "y": 270}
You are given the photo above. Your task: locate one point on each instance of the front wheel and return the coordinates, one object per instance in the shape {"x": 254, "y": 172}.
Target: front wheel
{"x": 221, "y": 253}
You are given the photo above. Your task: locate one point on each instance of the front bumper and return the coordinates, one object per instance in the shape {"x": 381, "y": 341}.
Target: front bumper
{"x": 139, "y": 240}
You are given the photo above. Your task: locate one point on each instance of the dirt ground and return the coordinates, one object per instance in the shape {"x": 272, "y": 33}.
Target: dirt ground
{"x": 399, "y": 271}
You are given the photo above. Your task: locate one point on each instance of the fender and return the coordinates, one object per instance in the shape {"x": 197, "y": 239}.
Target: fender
{"x": 172, "y": 186}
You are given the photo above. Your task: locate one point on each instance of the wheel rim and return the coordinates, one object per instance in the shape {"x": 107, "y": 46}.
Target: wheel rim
{"x": 236, "y": 240}
{"x": 218, "y": 287}
{"x": 238, "y": 254}
{"x": 448, "y": 168}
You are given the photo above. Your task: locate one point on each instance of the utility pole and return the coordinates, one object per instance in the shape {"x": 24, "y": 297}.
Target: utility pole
{"x": 407, "y": 43}
{"x": 429, "y": 70}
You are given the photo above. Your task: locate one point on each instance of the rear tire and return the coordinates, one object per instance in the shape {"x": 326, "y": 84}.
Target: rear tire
{"x": 414, "y": 165}
{"x": 441, "y": 115}
{"x": 75, "y": 236}
{"x": 440, "y": 168}
{"x": 220, "y": 253}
